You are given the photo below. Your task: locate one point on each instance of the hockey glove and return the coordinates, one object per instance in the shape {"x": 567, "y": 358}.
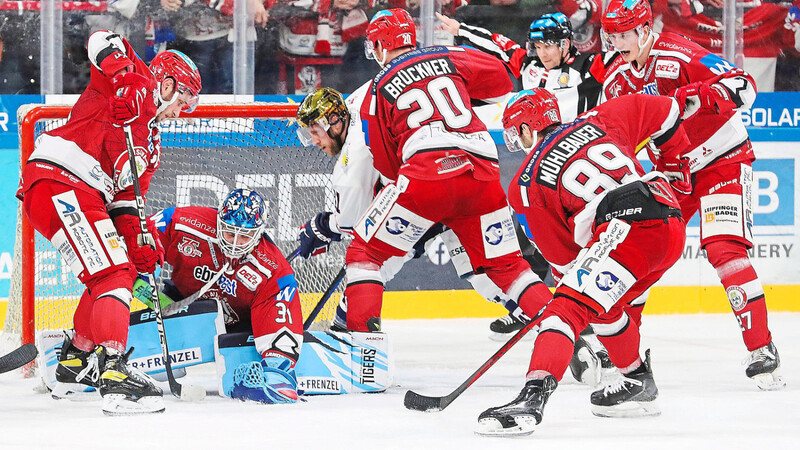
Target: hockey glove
{"x": 131, "y": 89}
{"x": 678, "y": 173}
{"x": 270, "y": 381}
{"x": 144, "y": 256}
{"x": 316, "y": 235}
{"x": 143, "y": 293}
{"x": 701, "y": 96}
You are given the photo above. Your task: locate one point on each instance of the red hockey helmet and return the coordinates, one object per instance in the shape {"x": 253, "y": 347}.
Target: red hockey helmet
{"x": 393, "y": 28}
{"x": 174, "y": 64}
{"x": 625, "y": 15}
{"x": 537, "y": 108}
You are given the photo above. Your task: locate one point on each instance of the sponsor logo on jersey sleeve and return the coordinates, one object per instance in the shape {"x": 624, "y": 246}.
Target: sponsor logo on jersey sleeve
{"x": 668, "y": 69}
{"x": 163, "y": 218}
{"x": 287, "y": 287}
{"x": 716, "y": 65}
{"x": 227, "y": 285}
{"x": 249, "y": 277}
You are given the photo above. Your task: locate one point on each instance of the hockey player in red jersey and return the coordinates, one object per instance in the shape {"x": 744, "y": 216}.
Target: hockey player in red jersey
{"x": 424, "y": 135}
{"x": 606, "y": 227}
{"x": 77, "y": 191}
{"x": 227, "y": 256}
{"x": 716, "y": 169}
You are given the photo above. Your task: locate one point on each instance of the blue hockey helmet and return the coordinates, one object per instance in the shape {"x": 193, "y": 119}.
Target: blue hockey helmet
{"x": 549, "y": 29}
{"x": 240, "y": 222}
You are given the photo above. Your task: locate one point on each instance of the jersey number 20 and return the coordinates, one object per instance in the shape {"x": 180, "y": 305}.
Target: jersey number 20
{"x": 442, "y": 96}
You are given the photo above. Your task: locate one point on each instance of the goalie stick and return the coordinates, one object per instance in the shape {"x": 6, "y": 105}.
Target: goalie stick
{"x": 175, "y": 307}
{"x": 324, "y": 299}
{"x": 188, "y": 392}
{"x": 419, "y": 402}
{"x": 18, "y": 358}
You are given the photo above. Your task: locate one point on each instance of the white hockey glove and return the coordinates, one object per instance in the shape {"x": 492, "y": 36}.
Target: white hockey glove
{"x": 316, "y": 235}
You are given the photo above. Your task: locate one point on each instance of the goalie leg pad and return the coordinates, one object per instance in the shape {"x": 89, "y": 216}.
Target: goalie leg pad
{"x": 191, "y": 335}
{"x": 330, "y": 362}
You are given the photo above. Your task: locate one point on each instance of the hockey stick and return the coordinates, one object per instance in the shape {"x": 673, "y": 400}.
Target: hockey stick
{"x": 175, "y": 307}
{"x": 18, "y": 358}
{"x": 419, "y": 402}
{"x": 324, "y": 299}
{"x": 188, "y": 392}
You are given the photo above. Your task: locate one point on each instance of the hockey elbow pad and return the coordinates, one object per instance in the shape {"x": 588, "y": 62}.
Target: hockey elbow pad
{"x": 270, "y": 381}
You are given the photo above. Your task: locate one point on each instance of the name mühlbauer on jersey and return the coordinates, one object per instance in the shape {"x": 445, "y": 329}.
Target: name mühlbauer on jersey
{"x": 567, "y": 146}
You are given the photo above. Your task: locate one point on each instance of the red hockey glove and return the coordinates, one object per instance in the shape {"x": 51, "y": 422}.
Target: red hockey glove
{"x": 701, "y": 96}
{"x": 678, "y": 174}
{"x": 131, "y": 91}
{"x": 145, "y": 256}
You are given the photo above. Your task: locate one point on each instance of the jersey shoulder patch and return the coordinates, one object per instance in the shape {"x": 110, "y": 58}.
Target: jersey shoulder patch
{"x": 163, "y": 218}
{"x": 287, "y": 288}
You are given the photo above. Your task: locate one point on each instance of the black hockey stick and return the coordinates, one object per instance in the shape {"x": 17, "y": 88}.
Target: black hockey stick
{"x": 419, "y": 402}
{"x": 324, "y": 299}
{"x": 188, "y": 392}
{"x": 18, "y": 358}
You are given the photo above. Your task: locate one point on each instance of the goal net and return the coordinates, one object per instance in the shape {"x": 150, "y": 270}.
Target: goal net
{"x": 204, "y": 155}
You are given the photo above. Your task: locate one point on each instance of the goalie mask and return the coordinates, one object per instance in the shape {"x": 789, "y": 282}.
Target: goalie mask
{"x": 174, "y": 64}
{"x": 537, "y": 108}
{"x": 240, "y": 222}
{"x": 549, "y": 29}
{"x": 318, "y": 112}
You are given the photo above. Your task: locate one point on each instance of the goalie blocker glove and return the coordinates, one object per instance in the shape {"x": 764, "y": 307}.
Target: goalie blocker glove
{"x": 316, "y": 235}
{"x": 270, "y": 381}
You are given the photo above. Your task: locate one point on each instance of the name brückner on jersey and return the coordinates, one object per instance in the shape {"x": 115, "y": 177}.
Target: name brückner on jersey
{"x": 553, "y": 160}
{"x": 415, "y": 72}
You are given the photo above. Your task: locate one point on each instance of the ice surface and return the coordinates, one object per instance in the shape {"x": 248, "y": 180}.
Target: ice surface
{"x": 706, "y": 401}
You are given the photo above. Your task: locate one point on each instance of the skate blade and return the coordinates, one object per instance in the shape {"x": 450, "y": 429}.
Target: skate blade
{"x": 627, "y": 409}
{"x": 75, "y": 392}
{"x": 772, "y": 381}
{"x": 493, "y": 428}
{"x": 120, "y": 405}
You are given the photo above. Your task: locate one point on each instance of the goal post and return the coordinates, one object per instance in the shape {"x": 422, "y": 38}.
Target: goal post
{"x": 204, "y": 155}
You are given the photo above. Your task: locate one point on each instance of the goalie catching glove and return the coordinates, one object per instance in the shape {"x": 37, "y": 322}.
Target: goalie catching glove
{"x": 316, "y": 235}
{"x": 270, "y": 381}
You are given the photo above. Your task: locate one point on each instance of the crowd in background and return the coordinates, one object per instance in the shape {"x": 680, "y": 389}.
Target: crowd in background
{"x": 331, "y": 33}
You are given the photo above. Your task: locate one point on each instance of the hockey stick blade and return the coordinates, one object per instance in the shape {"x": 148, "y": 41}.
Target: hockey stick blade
{"x": 417, "y": 402}
{"x": 18, "y": 358}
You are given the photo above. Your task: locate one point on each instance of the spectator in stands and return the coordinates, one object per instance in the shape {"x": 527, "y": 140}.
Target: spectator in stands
{"x": 203, "y": 29}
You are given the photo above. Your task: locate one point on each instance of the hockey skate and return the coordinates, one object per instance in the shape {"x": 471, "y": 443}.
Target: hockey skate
{"x": 503, "y": 328}
{"x": 763, "y": 366}
{"x": 522, "y": 415}
{"x": 77, "y": 373}
{"x": 125, "y": 390}
{"x": 629, "y": 395}
{"x": 585, "y": 364}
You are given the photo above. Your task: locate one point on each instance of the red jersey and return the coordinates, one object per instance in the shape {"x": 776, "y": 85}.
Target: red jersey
{"x": 556, "y": 191}
{"x": 420, "y": 119}
{"x": 89, "y": 152}
{"x": 261, "y": 288}
{"x": 675, "y": 61}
